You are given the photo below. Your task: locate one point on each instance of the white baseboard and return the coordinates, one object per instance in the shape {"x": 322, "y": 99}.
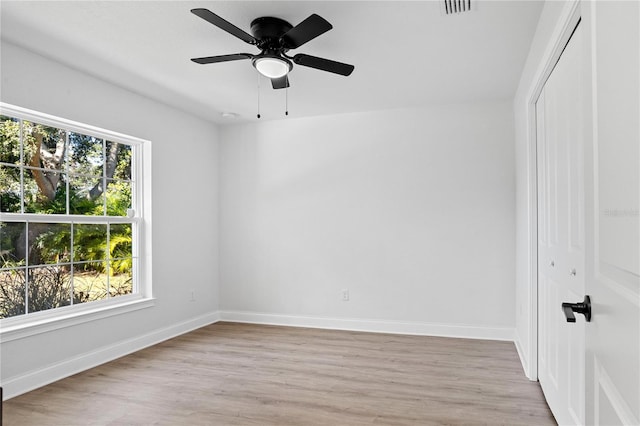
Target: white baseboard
{"x": 375, "y": 326}
{"x": 32, "y": 380}
{"x": 523, "y": 358}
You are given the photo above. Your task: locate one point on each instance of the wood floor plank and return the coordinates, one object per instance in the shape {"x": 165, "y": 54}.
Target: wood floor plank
{"x": 243, "y": 374}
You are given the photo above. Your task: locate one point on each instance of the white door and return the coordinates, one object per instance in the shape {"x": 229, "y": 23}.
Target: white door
{"x": 561, "y": 278}
{"x": 613, "y": 215}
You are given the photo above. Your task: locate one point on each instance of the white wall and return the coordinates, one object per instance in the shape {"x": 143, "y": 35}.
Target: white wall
{"x": 525, "y": 172}
{"x": 185, "y": 209}
{"x": 411, "y": 210}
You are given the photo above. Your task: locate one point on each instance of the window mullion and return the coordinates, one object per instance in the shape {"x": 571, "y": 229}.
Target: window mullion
{"x": 66, "y": 169}
{"x": 21, "y": 139}
{"x": 72, "y": 262}
{"x": 60, "y": 218}
{"x": 104, "y": 177}
{"x": 26, "y": 268}
{"x": 107, "y": 256}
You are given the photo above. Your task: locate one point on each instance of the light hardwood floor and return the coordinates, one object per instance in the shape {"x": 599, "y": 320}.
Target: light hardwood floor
{"x": 241, "y": 374}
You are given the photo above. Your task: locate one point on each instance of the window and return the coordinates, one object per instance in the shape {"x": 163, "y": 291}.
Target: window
{"x": 71, "y": 215}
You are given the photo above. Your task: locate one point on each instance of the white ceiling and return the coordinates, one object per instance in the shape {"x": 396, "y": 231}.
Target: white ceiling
{"x": 406, "y": 53}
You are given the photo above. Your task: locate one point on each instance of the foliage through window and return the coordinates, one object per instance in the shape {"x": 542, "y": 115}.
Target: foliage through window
{"x": 68, "y": 215}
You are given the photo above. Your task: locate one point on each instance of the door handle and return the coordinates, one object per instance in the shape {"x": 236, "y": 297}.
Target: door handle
{"x": 583, "y": 308}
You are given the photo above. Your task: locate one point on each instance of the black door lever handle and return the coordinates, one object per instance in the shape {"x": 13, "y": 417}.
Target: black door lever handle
{"x": 583, "y": 308}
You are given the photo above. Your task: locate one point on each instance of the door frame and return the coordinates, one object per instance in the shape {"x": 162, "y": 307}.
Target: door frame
{"x": 566, "y": 23}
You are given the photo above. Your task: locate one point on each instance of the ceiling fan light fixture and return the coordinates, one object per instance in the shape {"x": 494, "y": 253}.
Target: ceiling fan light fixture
{"x": 272, "y": 66}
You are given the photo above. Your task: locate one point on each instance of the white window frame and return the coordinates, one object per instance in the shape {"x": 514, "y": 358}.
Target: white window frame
{"x": 21, "y": 326}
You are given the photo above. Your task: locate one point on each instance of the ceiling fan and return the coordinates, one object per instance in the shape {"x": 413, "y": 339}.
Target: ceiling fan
{"x": 275, "y": 37}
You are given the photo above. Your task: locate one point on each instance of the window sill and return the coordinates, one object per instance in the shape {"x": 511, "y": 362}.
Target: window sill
{"x": 30, "y": 325}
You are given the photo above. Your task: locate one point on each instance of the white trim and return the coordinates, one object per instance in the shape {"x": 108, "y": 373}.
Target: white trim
{"x": 373, "y": 326}
{"x": 74, "y": 126}
{"x": 65, "y": 218}
{"x": 143, "y": 242}
{"x": 523, "y": 360}
{"x": 15, "y": 328}
{"x": 567, "y": 21}
{"x": 15, "y": 386}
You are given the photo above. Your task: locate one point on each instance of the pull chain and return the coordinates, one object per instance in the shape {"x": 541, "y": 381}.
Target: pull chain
{"x": 258, "y": 75}
{"x": 286, "y": 99}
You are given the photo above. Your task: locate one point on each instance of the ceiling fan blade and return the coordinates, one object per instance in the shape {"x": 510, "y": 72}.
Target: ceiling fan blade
{"x": 280, "y": 83}
{"x": 323, "y": 64}
{"x": 221, "y": 58}
{"x": 306, "y": 31}
{"x": 211, "y": 17}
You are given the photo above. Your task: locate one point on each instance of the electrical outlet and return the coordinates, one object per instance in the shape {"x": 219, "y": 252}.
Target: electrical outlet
{"x": 345, "y": 294}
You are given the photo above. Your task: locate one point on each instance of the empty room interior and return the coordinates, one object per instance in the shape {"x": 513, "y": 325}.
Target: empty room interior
{"x": 320, "y": 212}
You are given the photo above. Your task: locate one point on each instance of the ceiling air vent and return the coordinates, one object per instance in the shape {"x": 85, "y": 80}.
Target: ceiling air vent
{"x": 452, "y": 7}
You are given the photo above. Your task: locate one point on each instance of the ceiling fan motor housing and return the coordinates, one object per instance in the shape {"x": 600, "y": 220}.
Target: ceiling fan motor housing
{"x": 268, "y": 32}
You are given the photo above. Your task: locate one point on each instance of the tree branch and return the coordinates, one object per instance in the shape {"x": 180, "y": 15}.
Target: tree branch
{"x": 111, "y": 164}
{"x": 45, "y": 184}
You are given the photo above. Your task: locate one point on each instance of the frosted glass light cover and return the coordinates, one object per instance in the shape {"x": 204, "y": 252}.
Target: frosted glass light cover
{"x": 272, "y": 67}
